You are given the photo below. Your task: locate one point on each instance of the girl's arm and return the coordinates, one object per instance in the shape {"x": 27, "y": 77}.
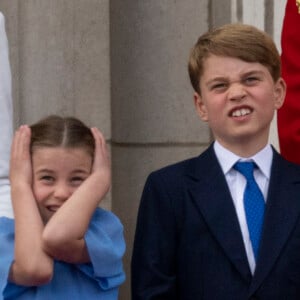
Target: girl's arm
{"x": 32, "y": 266}
{"x": 63, "y": 236}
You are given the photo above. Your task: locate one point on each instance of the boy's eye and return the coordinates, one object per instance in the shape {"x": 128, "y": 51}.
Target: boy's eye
{"x": 219, "y": 86}
{"x": 251, "y": 79}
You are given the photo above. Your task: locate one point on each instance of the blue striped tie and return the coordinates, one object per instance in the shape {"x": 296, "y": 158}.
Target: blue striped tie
{"x": 253, "y": 202}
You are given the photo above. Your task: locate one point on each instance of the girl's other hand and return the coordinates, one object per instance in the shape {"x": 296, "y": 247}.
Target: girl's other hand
{"x": 101, "y": 163}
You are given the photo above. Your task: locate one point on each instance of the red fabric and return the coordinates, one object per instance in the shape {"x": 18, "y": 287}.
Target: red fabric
{"x": 289, "y": 115}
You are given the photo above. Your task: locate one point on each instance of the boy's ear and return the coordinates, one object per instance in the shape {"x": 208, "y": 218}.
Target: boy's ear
{"x": 279, "y": 92}
{"x": 200, "y": 107}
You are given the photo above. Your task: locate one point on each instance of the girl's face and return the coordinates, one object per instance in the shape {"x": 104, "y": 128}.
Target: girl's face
{"x": 57, "y": 173}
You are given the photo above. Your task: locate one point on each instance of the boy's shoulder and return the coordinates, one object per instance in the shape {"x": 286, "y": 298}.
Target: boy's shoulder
{"x": 281, "y": 163}
{"x": 188, "y": 167}
{"x": 207, "y": 163}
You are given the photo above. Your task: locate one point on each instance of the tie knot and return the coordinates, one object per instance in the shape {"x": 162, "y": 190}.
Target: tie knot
{"x": 245, "y": 168}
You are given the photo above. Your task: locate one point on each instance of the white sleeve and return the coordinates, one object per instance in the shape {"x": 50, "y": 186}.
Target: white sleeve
{"x": 6, "y": 122}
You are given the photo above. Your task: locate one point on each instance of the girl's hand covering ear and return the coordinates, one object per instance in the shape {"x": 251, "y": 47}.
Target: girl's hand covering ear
{"x": 101, "y": 163}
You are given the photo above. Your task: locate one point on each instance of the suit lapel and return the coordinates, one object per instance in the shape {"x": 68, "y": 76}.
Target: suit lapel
{"x": 211, "y": 195}
{"x": 282, "y": 212}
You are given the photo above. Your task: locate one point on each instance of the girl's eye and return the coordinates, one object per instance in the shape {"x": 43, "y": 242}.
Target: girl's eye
{"x": 47, "y": 178}
{"x": 77, "y": 180}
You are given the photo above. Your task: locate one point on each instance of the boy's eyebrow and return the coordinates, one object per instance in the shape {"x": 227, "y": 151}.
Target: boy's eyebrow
{"x": 222, "y": 78}
{"x": 219, "y": 78}
{"x": 253, "y": 72}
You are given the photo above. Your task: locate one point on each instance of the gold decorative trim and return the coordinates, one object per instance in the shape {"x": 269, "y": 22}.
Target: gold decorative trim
{"x": 298, "y": 5}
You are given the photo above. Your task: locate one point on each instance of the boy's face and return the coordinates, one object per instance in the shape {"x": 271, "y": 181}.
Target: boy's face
{"x": 57, "y": 173}
{"x": 238, "y": 100}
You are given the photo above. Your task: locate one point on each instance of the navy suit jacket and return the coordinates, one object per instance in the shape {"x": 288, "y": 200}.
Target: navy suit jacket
{"x": 188, "y": 243}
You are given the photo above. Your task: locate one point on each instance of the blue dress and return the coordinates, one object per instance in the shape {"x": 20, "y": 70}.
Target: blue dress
{"x": 99, "y": 279}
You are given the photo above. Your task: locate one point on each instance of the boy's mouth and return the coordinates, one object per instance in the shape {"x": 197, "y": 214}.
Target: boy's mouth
{"x": 240, "y": 112}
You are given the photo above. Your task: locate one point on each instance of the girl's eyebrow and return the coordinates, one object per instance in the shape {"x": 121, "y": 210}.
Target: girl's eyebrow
{"x": 80, "y": 171}
{"x": 49, "y": 171}
{"x": 44, "y": 170}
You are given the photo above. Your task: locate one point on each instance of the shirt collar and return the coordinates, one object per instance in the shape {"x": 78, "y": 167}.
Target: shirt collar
{"x": 227, "y": 159}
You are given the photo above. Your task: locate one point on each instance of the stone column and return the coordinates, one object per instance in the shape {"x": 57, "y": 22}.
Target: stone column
{"x": 153, "y": 118}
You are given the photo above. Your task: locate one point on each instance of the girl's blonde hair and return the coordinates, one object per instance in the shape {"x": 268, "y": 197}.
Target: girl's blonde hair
{"x": 67, "y": 132}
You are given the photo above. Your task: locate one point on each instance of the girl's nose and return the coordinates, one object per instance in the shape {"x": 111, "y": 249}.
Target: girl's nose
{"x": 62, "y": 192}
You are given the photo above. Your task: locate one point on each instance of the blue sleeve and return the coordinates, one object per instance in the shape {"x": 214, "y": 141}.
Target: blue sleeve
{"x": 106, "y": 246}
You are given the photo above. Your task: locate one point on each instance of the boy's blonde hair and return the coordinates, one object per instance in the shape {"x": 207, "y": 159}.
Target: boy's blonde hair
{"x": 241, "y": 41}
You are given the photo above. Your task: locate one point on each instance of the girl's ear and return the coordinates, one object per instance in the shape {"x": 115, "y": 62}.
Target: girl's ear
{"x": 279, "y": 93}
{"x": 200, "y": 107}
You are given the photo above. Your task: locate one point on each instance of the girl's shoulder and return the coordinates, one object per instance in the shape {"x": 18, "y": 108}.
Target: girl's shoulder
{"x": 105, "y": 213}
{"x": 6, "y": 249}
{"x": 105, "y": 218}
{"x": 7, "y": 225}
{"x": 7, "y": 237}
{"x": 6, "y": 220}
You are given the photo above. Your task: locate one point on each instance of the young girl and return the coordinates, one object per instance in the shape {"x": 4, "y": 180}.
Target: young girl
{"x": 61, "y": 245}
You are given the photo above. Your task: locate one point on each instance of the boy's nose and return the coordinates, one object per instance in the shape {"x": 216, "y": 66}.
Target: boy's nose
{"x": 236, "y": 92}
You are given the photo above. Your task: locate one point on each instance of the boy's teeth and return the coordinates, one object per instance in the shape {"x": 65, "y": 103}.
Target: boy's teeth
{"x": 241, "y": 112}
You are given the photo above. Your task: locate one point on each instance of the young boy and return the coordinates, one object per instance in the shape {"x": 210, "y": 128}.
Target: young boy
{"x": 195, "y": 238}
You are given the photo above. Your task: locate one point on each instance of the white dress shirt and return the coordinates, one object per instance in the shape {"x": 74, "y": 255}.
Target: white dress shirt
{"x": 237, "y": 183}
{"x": 6, "y": 122}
